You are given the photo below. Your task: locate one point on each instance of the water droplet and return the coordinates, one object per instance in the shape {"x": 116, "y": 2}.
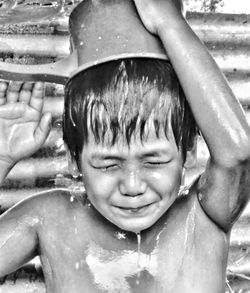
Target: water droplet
{"x": 81, "y": 43}
{"x": 72, "y": 198}
{"x": 82, "y": 25}
{"x": 118, "y": 37}
{"x": 99, "y": 38}
{"x": 97, "y": 49}
{"x": 76, "y": 231}
{"x": 120, "y": 235}
{"x": 184, "y": 191}
{"x": 75, "y": 176}
{"x": 77, "y": 265}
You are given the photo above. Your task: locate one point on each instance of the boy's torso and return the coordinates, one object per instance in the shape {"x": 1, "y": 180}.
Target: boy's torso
{"x": 82, "y": 252}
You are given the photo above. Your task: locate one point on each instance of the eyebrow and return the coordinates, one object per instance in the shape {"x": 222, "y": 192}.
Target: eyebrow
{"x": 105, "y": 157}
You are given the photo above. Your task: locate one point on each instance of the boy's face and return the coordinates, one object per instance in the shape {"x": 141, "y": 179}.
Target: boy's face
{"x": 133, "y": 186}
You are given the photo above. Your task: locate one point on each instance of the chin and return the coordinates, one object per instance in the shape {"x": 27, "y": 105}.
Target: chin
{"x": 137, "y": 226}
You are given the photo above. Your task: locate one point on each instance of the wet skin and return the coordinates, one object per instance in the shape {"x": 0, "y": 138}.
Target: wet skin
{"x": 83, "y": 252}
{"x": 184, "y": 242}
{"x": 85, "y": 244}
{"x": 90, "y": 253}
{"x": 133, "y": 186}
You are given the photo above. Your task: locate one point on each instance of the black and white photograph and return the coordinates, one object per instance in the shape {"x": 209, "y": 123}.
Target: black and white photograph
{"x": 124, "y": 146}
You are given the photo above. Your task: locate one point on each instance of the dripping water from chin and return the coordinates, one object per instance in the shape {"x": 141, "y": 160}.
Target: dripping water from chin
{"x": 138, "y": 235}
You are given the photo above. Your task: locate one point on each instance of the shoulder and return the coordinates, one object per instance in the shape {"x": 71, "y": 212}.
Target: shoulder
{"x": 188, "y": 203}
{"x": 189, "y": 216}
{"x": 58, "y": 201}
{"x": 46, "y": 204}
{"x": 45, "y": 198}
{"x": 190, "y": 206}
{"x": 188, "y": 198}
{"x": 50, "y": 198}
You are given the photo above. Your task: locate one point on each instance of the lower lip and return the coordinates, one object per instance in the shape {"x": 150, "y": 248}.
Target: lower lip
{"x": 138, "y": 211}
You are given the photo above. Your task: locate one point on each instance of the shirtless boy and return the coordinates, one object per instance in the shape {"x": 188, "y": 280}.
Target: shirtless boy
{"x": 128, "y": 129}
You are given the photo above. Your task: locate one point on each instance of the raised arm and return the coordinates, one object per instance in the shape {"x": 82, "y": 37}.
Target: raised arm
{"x": 224, "y": 187}
{"x": 23, "y": 129}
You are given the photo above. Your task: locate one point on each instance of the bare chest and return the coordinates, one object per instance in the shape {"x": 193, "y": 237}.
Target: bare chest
{"x": 180, "y": 262}
{"x": 183, "y": 252}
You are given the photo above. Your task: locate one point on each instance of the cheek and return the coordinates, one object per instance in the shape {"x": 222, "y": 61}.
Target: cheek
{"x": 167, "y": 180}
{"x": 98, "y": 185}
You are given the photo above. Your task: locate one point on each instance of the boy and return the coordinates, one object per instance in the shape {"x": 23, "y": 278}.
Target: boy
{"x": 128, "y": 132}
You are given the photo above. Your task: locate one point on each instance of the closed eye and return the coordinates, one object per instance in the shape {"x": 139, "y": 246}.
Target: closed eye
{"x": 105, "y": 168}
{"x": 155, "y": 164}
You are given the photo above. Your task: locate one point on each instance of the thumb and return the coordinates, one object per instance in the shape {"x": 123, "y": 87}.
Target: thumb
{"x": 43, "y": 129}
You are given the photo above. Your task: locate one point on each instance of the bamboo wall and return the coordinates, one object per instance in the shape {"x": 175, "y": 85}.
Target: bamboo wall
{"x": 228, "y": 39}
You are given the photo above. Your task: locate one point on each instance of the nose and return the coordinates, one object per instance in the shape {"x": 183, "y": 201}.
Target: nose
{"x": 132, "y": 184}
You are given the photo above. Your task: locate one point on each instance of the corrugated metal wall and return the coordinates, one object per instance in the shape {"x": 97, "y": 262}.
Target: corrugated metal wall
{"x": 226, "y": 36}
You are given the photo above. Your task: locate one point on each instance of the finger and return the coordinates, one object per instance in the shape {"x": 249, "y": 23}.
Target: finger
{"x": 12, "y": 111}
{"x": 3, "y": 89}
{"x": 25, "y": 93}
{"x": 13, "y": 91}
{"x": 28, "y": 86}
{"x": 37, "y": 95}
{"x": 42, "y": 130}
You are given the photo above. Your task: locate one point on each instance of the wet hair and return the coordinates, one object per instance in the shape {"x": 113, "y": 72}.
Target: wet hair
{"x": 119, "y": 99}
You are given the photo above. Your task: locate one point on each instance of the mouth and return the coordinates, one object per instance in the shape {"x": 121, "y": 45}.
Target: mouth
{"x": 136, "y": 211}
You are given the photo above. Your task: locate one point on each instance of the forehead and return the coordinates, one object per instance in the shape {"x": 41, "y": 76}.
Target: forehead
{"x": 151, "y": 144}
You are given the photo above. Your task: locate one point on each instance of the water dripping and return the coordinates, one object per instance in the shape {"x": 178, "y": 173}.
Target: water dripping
{"x": 73, "y": 122}
{"x": 77, "y": 266}
{"x": 8, "y": 238}
{"x": 229, "y": 287}
{"x": 138, "y": 235}
{"x": 62, "y": 7}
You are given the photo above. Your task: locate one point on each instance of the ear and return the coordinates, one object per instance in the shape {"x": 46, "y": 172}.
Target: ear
{"x": 191, "y": 158}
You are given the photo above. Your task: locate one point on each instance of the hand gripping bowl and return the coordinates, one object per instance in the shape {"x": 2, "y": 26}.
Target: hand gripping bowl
{"x": 100, "y": 31}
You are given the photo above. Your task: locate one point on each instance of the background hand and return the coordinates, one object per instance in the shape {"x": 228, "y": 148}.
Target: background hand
{"x": 154, "y": 13}
{"x": 23, "y": 128}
